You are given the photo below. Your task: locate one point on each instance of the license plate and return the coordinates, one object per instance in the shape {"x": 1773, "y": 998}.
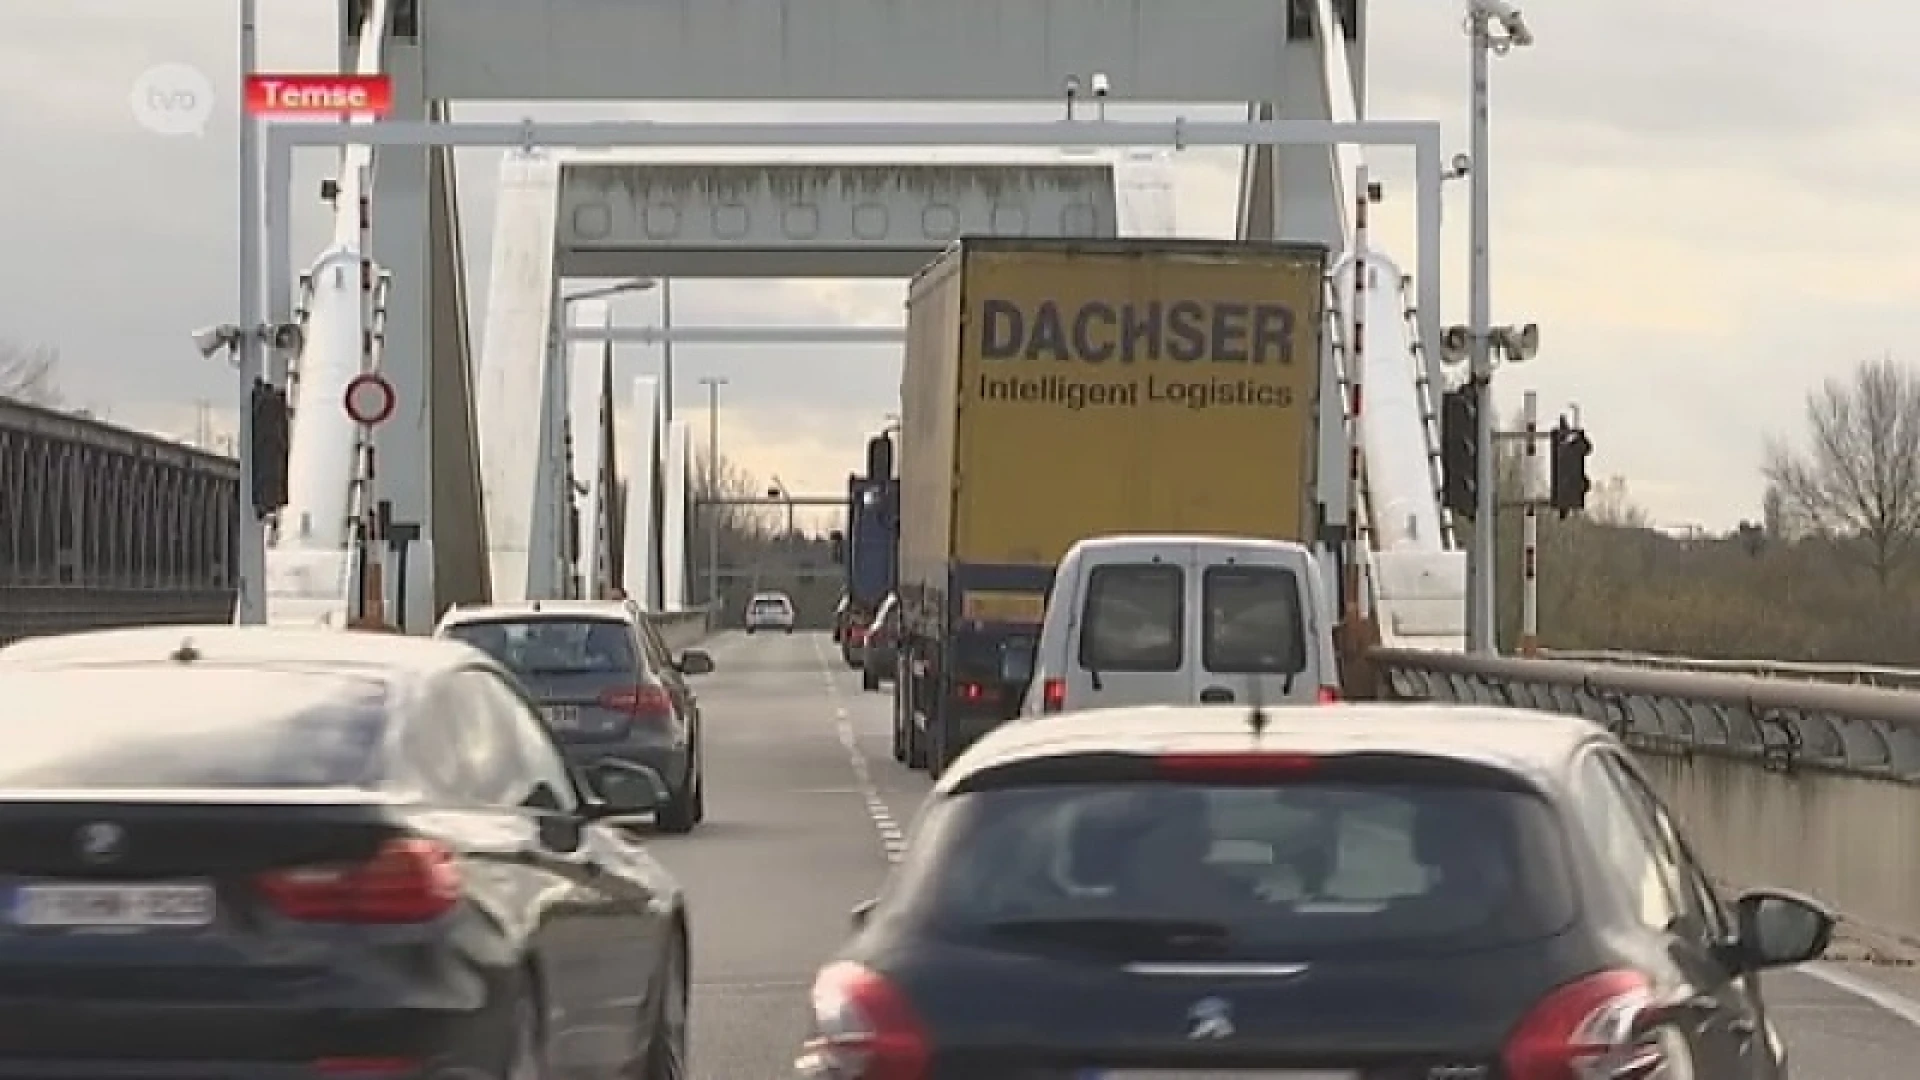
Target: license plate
{"x": 562, "y": 717}
{"x": 113, "y": 905}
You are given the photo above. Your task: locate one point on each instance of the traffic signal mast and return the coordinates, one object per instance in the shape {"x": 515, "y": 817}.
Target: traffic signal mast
{"x": 1571, "y": 448}
{"x": 1568, "y": 449}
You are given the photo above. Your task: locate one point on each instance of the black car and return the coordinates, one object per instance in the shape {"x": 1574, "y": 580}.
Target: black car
{"x": 1361, "y": 893}
{"x": 249, "y": 852}
{"x": 607, "y": 685}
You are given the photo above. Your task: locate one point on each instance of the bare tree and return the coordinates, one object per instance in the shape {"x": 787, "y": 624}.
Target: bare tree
{"x": 27, "y": 373}
{"x": 1610, "y": 504}
{"x": 725, "y": 482}
{"x": 1858, "y": 476}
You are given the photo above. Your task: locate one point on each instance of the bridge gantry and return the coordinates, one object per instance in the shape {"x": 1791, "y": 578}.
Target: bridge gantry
{"x": 449, "y": 459}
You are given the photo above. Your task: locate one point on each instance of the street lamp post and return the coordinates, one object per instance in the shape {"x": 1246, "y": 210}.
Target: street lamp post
{"x": 1484, "y": 42}
{"x": 713, "y": 383}
{"x": 250, "y": 541}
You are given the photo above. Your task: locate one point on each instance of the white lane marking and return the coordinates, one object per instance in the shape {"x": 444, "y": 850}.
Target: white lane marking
{"x": 893, "y": 841}
{"x": 1892, "y": 1001}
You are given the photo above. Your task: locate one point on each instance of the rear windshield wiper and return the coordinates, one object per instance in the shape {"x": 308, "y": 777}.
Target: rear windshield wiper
{"x": 1120, "y": 933}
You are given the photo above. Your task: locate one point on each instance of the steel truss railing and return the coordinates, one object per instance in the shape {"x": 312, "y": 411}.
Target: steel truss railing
{"x": 1782, "y": 724}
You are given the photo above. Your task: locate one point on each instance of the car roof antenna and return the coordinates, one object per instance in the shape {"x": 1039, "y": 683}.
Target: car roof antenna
{"x": 186, "y": 653}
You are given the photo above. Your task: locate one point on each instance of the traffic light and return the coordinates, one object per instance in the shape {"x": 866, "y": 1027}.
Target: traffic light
{"x": 1570, "y": 485}
{"x": 1460, "y": 450}
{"x": 269, "y": 448}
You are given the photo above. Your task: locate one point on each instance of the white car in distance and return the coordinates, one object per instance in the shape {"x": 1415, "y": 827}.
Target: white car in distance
{"x": 770, "y": 611}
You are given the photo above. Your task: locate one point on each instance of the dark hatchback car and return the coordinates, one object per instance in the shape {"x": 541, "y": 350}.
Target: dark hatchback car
{"x": 1358, "y": 893}
{"x": 243, "y": 852}
{"x": 607, "y": 685}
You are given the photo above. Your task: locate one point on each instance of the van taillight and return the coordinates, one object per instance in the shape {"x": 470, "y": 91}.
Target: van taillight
{"x": 863, "y": 1029}
{"x": 1053, "y": 695}
{"x": 648, "y": 704}
{"x": 1328, "y": 696}
{"x": 410, "y": 879}
{"x": 1605, "y": 1024}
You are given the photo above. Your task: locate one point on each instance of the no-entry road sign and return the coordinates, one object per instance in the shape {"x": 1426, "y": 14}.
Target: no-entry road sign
{"x": 369, "y": 399}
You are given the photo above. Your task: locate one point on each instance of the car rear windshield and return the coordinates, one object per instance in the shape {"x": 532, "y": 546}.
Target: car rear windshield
{"x": 1135, "y": 618}
{"x": 200, "y": 727}
{"x": 1294, "y": 872}
{"x": 1254, "y": 623}
{"x": 770, "y": 603}
{"x": 532, "y": 648}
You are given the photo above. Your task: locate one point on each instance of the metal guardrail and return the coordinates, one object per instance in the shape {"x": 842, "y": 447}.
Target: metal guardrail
{"x": 1783, "y": 724}
{"x": 1890, "y": 678}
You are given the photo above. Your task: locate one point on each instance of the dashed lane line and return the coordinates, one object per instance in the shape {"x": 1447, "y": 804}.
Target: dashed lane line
{"x": 893, "y": 840}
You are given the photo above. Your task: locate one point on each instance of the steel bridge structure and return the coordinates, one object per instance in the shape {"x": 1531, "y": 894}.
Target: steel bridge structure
{"x": 102, "y": 526}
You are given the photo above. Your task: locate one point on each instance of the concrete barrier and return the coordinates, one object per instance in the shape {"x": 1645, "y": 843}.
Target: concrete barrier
{"x": 37, "y": 611}
{"x": 1805, "y": 785}
{"x": 681, "y": 629}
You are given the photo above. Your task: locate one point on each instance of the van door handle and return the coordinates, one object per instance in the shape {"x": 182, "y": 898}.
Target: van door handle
{"x": 1215, "y": 695}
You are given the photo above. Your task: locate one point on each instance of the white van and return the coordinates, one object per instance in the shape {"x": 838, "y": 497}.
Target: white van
{"x": 1147, "y": 620}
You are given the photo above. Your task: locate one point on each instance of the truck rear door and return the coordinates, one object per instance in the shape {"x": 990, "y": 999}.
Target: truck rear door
{"x": 1257, "y": 626}
{"x": 1131, "y": 637}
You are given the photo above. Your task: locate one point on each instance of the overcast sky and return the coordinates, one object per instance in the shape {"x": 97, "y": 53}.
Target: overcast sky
{"x": 1708, "y": 207}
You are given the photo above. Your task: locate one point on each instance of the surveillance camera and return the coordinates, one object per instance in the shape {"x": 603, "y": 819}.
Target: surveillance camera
{"x": 1527, "y": 342}
{"x": 211, "y": 339}
{"x": 1073, "y": 85}
{"x": 1101, "y": 87}
{"x": 288, "y": 337}
{"x": 1462, "y": 164}
{"x": 1507, "y": 16}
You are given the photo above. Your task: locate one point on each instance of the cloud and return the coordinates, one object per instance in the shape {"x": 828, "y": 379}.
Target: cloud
{"x": 1707, "y": 207}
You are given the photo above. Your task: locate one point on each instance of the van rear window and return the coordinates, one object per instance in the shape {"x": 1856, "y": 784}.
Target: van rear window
{"x": 1135, "y": 618}
{"x": 1254, "y": 623}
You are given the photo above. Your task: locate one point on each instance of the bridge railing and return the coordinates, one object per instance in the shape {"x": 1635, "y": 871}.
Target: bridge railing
{"x": 1792, "y": 782}
{"x": 681, "y": 629}
{"x": 1890, "y": 678}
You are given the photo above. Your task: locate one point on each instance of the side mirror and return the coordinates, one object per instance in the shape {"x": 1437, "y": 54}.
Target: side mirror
{"x": 1780, "y": 929}
{"x": 862, "y": 912}
{"x": 837, "y": 547}
{"x": 695, "y": 662}
{"x": 626, "y": 788}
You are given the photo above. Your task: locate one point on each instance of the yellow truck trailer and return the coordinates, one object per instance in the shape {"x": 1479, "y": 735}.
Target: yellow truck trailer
{"x": 1058, "y": 389}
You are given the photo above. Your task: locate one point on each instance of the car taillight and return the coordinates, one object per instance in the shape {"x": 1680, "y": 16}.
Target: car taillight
{"x": 858, "y": 635}
{"x": 1328, "y": 696}
{"x": 642, "y": 703}
{"x": 1603, "y": 1025}
{"x": 863, "y": 1029}
{"x": 971, "y": 692}
{"x": 1252, "y": 764}
{"x": 1053, "y": 695}
{"x": 410, "y": 879}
